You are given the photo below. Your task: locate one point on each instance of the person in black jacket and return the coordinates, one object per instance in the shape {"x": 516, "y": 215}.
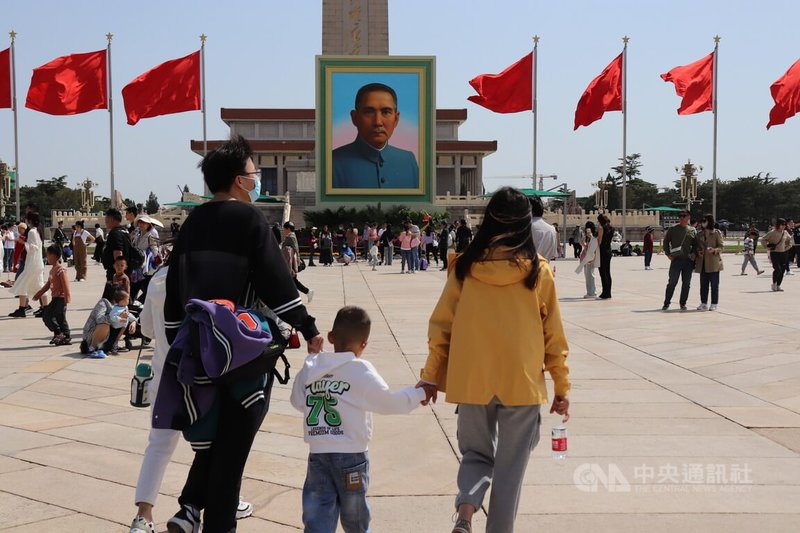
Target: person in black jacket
{"x": 387, "y": 244}
{"x": 209, "y": 262}
{"x": 118, "y": 243}
{"x": 444, "y": 243}
{"x": 463, "y": 236}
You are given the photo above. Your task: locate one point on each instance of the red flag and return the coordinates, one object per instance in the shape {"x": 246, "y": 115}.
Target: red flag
{"x": 786, "y": 93}
{"x": 69, "y": 85}
{"x": 603, "y": 94}
{"x": 507, "y": 92}
{"x": 171, "y": 87}
{"x": 695, "y": 84}
{"x": 5, "y": 78}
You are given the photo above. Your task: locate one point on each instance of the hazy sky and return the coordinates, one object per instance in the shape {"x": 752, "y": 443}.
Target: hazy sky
{"x": 261, "y": 54}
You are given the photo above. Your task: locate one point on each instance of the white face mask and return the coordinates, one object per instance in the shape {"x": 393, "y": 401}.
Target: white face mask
{"x": 255, "y": 192}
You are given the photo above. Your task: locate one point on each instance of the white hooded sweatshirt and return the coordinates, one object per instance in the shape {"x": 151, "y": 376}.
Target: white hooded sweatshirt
{"x": 337, "y": 392}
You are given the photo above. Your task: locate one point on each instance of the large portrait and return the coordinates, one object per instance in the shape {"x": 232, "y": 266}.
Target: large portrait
{"x": 375, "y": 128}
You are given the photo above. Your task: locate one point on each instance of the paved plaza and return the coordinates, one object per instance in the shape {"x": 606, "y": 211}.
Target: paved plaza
{"x": 680, "y": 420}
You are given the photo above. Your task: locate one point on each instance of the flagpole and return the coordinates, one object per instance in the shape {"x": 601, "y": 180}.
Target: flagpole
{"x": 13, "y": 36}
{"x": 533, "y": 101}
{"x": 714, "y": 109}
{"x": 110, "y": 36}
{"x": 203, "y": 38}
{"x": 624, "y": 135}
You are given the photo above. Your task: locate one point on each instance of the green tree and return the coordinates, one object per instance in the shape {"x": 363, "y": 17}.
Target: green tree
{"x": 151, "y": 206}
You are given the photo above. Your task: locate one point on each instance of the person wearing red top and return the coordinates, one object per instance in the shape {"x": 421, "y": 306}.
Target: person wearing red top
{"x": 55, "y": 314}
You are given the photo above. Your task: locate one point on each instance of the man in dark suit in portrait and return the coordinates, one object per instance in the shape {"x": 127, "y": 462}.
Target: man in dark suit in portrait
{"x": 370, "y": 162}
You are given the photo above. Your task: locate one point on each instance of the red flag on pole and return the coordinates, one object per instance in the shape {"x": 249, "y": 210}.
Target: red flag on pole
{"x": 694, "y": 83}
{"x": 786, "y": 93}
{"x": 603, "y": 94}
{"x": 171, "y": 87}
{"x": 69, "y": 85}
{"x": 5, "y": 78}
{"x": 507, "y": 92}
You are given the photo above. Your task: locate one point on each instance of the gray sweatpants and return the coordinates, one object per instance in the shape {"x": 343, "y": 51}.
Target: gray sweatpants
{"x": 495, "y": 442}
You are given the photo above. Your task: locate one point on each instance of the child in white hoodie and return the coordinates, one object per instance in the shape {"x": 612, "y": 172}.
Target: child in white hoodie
{"x": 337, "y": 393}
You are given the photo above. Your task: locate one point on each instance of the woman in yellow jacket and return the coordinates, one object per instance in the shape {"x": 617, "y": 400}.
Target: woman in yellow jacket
{"x": 495, "y": 330}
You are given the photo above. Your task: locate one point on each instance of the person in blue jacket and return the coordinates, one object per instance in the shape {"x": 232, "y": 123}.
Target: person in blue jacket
{"x": 369, "y": 162}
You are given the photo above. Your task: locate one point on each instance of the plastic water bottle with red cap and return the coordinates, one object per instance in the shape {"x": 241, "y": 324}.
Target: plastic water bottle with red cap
{"x": 559, "y": 442}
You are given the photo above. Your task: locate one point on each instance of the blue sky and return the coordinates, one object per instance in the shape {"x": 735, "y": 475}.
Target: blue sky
{"x": 260, "y": 53}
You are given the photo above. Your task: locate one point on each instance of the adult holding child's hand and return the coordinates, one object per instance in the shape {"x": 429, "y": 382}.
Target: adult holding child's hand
{"x": 499, "y": 283}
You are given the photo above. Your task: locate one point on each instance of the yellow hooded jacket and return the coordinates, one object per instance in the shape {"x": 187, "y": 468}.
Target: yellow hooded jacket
{"x": 492, "y": 336}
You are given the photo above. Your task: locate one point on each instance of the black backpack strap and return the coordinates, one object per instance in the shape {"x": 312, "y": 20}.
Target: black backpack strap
{"x": 283, "y": 379}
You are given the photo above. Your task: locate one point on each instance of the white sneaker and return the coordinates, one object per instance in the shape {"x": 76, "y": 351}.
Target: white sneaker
{"x": 778, "y": 288}
{"x": 310, "y": 295}
{"x": 140, "y": 525}
{"x": 774, "y": 287}
{"x": 713, "y": 307}
{"x": 702, "y": 307}
{"x": 244, "y": 510}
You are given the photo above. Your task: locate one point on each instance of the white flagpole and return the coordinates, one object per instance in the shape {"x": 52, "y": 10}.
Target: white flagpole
{"x": 110, "y": 36}
{"x": 624, "y": 135}
{"x": 535, "y": 63}
{"x": 203, "y": 38}
{"x": 714, "y": 109}
{"x": 13, "y": 36}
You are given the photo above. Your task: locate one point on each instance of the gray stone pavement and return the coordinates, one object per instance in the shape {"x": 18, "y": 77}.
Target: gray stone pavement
{"x": 679, "y": 419}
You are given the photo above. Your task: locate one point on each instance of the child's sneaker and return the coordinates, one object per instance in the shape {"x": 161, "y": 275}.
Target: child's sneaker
{"x": 140, "y": 525}
{"x": 244, "y": 510}
{"x": 187, "y": 520}
{"x": 97, "y": 354}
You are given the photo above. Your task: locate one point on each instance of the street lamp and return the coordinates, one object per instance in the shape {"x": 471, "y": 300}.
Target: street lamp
{"x": 87, "y": 194}
{"x": 688, "y": 174}
{"x": 601, "y": 194}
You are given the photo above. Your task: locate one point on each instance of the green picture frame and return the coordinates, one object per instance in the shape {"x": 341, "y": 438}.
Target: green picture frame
{"x": 338, "y": 79}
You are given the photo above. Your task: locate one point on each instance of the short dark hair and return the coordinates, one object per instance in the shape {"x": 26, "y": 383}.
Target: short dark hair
{"x": 80, "y": 223}
{"x": 120, "y": 258}
{"x": 684, "y": 213}
{"x": 97, "y": 225}
{"x": 780, "y": 222}
{"x": 119, "y": 295}
{"x": 221, "y": 166}
{"x": 537, "y": 208}
{"x": 288, "y": 225}
{"x": 374, "y": 88}
{"x": 54, "y": 249}
{"x": 60, "y": 222}
{"x": 132, "y": 210}
{"x": 114, "y": 213}
{"x": 352, "y": 324}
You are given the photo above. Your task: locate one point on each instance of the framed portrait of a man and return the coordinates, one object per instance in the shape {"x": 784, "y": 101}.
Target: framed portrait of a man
{"x": 375, "y": 128}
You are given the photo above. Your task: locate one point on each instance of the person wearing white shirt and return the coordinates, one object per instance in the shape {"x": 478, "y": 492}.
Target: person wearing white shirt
{"x": 544, "y": 235}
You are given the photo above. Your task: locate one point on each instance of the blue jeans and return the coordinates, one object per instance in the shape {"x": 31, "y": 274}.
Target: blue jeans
{"x": 388, "y": 252}
{"x": 336, "y": 483}
{"x": 406, "y": 259}
{"x": 8, "y": 259}
{"x": 415, "y": 258}
{"x": 709, "y": 279}
{"x": 679, "y": 268}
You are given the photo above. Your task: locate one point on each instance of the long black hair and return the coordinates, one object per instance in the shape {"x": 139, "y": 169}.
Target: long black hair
{"x": 506, "y": 222}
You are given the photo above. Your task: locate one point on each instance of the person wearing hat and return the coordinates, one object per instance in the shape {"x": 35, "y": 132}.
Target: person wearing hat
{"x": 647, "y": 248}
{"x": 145, "y": 238}
{"x": 680, "y": 247}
